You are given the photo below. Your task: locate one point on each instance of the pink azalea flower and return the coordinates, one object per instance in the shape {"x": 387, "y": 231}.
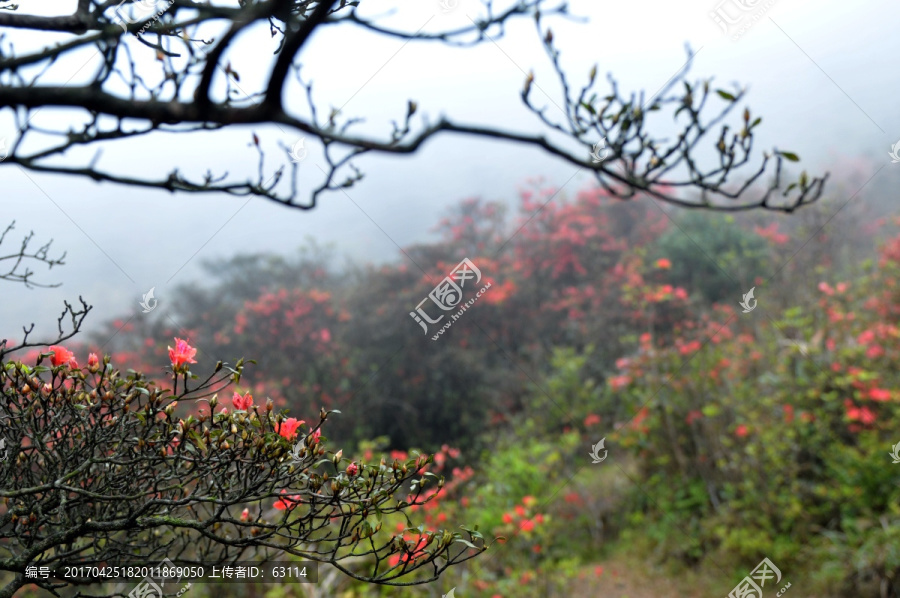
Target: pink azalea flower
{"x": 182, "y": 355}
{"x": 741, "y": 431}
{"x": 242, "y": 403}
{"x": 352, "y": 469}
{"x": 663, "y": 264}
{"x": 61, "y": 356}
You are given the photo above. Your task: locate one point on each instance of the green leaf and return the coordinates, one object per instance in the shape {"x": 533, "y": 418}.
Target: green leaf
{"x": 790, "y": 156}
{"x": 710, "y": 410}
{"x": 724, "y": 94}
{"x": 467, "y": 543}
{"x": 755, "y": 122}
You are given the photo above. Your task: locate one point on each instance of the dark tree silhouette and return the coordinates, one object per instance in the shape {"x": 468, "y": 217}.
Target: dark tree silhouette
{"x": 191, "y": 87}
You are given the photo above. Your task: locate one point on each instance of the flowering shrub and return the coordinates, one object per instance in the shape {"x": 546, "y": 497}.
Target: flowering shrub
{"x": 774, "y": 439}
{"x": 140, "y": 480}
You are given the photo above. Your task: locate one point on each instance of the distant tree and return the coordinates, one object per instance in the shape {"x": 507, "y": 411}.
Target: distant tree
{"x": 165, "y": 70}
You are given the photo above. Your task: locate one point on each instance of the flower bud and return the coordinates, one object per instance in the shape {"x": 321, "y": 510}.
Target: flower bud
{"x": 269, "y": 404}
{"x": 213, "y": 401}
{"x": 337, "y": 457}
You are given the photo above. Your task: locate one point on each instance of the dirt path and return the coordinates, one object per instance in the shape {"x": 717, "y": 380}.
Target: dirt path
{"x": 619, "y": 578}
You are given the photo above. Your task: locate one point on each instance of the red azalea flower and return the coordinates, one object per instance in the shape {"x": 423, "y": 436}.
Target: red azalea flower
{"x": 288, "y": 428}
{"x": 242, "y": 403}
{"x": 287, "y": 502}
{"x": 181, "y": 355}
{"x": 741, "y": 431}
{"x": 663, "y": 264}
{"x": 788, "y": 413}
{"x": 61, "y": 356}
{"x": 879, "y": 394}
{"x": 352, "y": 469}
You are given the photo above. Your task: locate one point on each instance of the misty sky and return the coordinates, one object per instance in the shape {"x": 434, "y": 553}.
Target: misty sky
{"x": 822, "y": 74}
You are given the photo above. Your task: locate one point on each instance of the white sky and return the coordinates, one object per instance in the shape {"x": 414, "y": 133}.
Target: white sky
{"x": 822, "y": 74}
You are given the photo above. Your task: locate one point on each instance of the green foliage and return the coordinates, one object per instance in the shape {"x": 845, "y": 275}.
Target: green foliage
{"x": 711, "y": 255}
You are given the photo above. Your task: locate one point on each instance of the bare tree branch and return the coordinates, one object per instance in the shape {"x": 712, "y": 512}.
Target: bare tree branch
{"x": 18, "y": 261}
{"x": 709, "y": 164}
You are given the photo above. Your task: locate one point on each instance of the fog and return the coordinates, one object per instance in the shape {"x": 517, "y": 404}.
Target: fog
{"x": 822, "y": 75}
